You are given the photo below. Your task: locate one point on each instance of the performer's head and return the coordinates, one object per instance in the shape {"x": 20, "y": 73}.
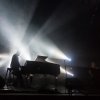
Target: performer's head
{"x": 93, "y": 65}
{"x": 17, "y": 53}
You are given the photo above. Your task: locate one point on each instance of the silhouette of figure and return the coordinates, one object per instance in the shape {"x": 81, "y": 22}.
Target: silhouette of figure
{"x": 15, "y": 65}
{"x": 93, "y": 71}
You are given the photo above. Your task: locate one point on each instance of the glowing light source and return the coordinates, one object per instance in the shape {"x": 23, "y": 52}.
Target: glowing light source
{"x": 65, "y": 57}
{"x": 63, "y": 71}
{"x": 2, "y": 62}
{"x": 2, "y": 56}
{"x": 69, "y": 73}
{"x": 46, "y": 47}
{"x": 4, "y": 59}
{"x": 16, "y": 32}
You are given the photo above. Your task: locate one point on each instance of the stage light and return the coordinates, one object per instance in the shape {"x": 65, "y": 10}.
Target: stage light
{"x": 62, "y": 70}
{"x": 2, "y": 63}
{"x": 69, "y": 73}
{"x": 13, "y": 26}
{"x": 13, "y": 29}
{"x": 46, "y": 47}
{"x": 66, "y": 58}
{"x": 66, "y": 72}
{"x": 3, "y": 59}
{"x": 2, "y": 56}
{"x": 25, "y": 53}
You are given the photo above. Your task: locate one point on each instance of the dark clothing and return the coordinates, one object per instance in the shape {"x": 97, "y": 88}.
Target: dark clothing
{"x": 95, "y": 76}
{"x": 95, "y": 72}
{"x": 15, "y": 65}
{"x": 15, "y": 62}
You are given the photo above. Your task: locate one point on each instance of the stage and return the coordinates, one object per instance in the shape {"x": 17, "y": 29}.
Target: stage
{"x": 38, "y": 92}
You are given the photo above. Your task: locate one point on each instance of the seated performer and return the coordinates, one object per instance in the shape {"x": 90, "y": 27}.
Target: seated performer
{"x": 15, "y": 65}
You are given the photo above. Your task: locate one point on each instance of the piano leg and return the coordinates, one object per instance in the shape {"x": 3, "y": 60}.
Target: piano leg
{"x": 29, "y": 80}
{"x": 56, "y": 85}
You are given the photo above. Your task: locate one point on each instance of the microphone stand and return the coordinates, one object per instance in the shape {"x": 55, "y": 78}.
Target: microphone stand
{"x": 65, "y": 75}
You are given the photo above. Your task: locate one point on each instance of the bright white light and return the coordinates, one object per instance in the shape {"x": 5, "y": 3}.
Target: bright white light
{"x": 46, "y": 47}
{"x": 13, "y": 29}
{"x": 14, "y": 23}
{"x": 2, "y": 56}
{"x": 25, "y": 53}
{"x": 15, "y": 39}
{"x": 69, "y": 73}
{"x": 67, "y": 58}
{"x": 4, "y": 59}
{"x": 2, "y": 62}
{"x": 62, "y": 70}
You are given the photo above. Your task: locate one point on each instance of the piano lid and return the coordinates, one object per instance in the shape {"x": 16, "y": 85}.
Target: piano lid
{"x": 41, "y": 58}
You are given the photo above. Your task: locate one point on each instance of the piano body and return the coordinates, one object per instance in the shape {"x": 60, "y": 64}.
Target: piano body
{"x": 36, "y": 67}
{"x": 40, "y": 66}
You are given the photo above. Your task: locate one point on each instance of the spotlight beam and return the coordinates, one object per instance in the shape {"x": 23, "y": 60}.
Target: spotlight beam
{"x": 2, "y": 56}
{"x": 62, "y": 70}
{"x": 13, "y": 28}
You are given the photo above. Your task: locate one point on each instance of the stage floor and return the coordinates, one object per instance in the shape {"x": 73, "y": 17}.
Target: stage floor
{"x": 39, "y": 88}
{"x": 37, "y": 92}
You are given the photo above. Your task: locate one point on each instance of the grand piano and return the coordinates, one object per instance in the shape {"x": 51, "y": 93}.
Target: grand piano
{"x": 36, "y": 67}
{"x": 40, "y": 66}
